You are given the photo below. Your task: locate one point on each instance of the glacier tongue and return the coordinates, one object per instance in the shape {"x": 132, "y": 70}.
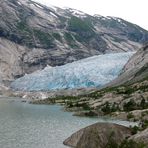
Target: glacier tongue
{"x": 90, "y": 72}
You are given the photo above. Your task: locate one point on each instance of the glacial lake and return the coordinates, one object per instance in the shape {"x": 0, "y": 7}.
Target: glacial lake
{"x": 24, "y": 125}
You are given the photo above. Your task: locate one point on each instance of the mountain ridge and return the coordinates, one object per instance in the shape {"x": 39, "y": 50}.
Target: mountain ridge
{"x": 36, "y": 36}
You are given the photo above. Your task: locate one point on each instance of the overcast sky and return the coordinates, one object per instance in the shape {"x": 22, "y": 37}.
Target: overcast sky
{"x": 134, "y": 11}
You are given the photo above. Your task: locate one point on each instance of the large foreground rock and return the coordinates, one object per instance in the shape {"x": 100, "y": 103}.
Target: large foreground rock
{"x": 98, "y": 135}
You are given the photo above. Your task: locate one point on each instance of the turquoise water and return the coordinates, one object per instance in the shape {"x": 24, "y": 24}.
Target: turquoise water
{"x": 24, "y": 125}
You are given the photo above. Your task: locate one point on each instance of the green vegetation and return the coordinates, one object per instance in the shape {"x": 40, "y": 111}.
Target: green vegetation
{"x": 82, "y": 101}
{"x": 79, "y": 25}
{"x": 125, "y": 144}
{"x": 125, "y": 89}
{"x": 144, "y": 124}
{"x": 57, "y": 36}
{"x": 135, "y": 130}
{"x": 63, "y": 99}
{"x": 44, "y": 38}
{"x": 95, "y": 95}
{"x": 71, "y": 104}
{"x": 112, "y": 143}
{"x": 25, "y": 34}
{"x": 83, "y": 28}
{"x": 69, "y": 38}
{"x": 109, "y": 108}
{"x": 33, "y": 37}
{"x": 143, "y": 69}
{"x": 130, "y": 116}
{"x": 86, "y": 106}
{"x": 23, "y": 27}
{"x": 143, "y": 104}
{"x": 130, "y": 105}
{"x": 132, "y": 144}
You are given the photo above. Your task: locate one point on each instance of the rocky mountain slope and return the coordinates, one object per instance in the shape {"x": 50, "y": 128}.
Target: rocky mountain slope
{"x": 33, "y": 35}
{"x": 135, "y": 70}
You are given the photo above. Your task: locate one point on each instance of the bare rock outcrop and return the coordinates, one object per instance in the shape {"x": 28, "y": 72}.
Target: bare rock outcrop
{"x": 33, "y": 36}
{"x": 141, "y": 137}
{"x": 98, "y": 136}
{"x": 135, "y": 70}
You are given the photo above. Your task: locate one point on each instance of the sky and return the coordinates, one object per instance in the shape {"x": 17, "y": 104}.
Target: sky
{"x": 134, "y": 11}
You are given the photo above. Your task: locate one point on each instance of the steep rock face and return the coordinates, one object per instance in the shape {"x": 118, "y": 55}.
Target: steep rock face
{"x": 98, "y": 135}
{"x": 135, "y": 70}
{"x": 141, "y": 136}
{"x": 55, "y": 36}
{"x": 11, "y": 64}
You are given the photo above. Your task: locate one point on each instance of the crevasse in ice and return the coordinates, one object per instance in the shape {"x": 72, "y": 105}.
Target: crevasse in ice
{"x": 90, "y": 72}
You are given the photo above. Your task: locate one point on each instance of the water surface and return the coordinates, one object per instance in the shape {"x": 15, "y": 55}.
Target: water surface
{"x": 24, "y": 125}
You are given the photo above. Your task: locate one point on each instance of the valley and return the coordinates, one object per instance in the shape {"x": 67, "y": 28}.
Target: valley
{"x": 62, "y": 69}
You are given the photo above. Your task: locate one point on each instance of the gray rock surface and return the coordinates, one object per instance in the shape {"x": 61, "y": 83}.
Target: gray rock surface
{"x": 98, "y": 135}
{"x": 141, "y": 136}
{"x": 135, "y": 70}
{"x": 33, "y": 36}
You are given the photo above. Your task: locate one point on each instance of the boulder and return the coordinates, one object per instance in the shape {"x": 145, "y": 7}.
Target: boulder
{"x": 98, "y": 136}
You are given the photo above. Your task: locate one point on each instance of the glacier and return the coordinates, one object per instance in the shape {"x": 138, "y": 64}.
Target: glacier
{"x": 90, "y": 72}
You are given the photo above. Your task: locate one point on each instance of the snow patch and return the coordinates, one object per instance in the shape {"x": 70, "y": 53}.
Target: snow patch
{"x": 100, "y": 17}
{"x": 19, "y": 3}
{"x": 119, "y": 20}
{"x": 53, "y": 14}
{"x": 76, "y": 13}
{"x": 52, "y": 7}
{"x": 39, "y": 6}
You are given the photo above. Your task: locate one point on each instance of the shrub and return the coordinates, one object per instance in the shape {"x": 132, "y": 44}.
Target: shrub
{"x": 135, "y": 129}
{"x": 109, "y": 108}
{"x": 131, "y": 144}
{"x": 129, "y": 106}
{"x": 106, "y": 108}
{"x": 57, "y": 37}
{"x": 130, "y": 115}
{"x": 144, "y": 124}
{"x": 125, "y": 144}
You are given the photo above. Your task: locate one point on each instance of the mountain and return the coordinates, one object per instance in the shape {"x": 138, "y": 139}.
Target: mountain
{"x": 135, "y": 70}
{"x": 33, "y": 36}
{"x": 90, "y": 72}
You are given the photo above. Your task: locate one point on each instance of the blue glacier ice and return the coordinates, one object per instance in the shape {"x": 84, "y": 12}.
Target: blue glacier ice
{"x": 90, "y": 72}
